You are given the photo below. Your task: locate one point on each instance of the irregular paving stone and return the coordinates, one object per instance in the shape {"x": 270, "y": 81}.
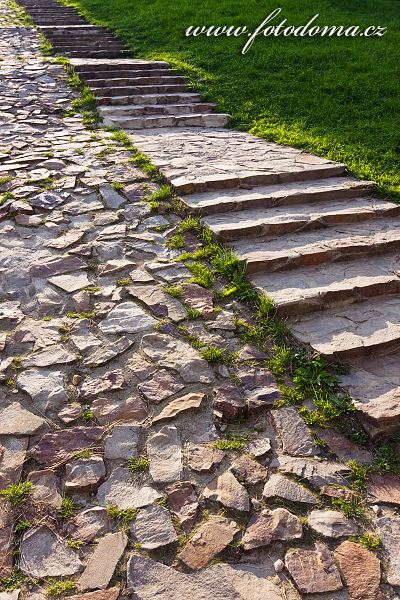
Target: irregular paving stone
{"x": 84, "y": 475}
{"x": 169, "y": 352}
{"x": 12, "y": 457}
{"x": 183, "y": 502}
{"x": 71, "y": 412}
{"x": 170, "y": 272}
{"x": 14, "y": 595}
{"x": 141, "y": 367}
{"x": 212, "y": 537}
{"x": 6, "y": 539}
{"x": 269, "y": 526}
{"x": 108, "y": 351}
{"x": 249, "y": 352}
{"x": 344, "y": 448}
{"x": 247, "y": 470}
{"x": 110, "y": 411}
{"x": 160, "y": 386}
{"x": 159, "y": 302}
{"x": 102, "y": 563}
{"x": 331, "y": 523}
{"x": 10, "y": 315}
{"x": 49, "y": 357}
{"x": 293, "y": 432}
{"x": 259, "y": 386}
{"x": 384, "y": 488}
{"x": 229, "y": 402}
{"x": 259, "y": 446}
{"x": 119, "y": 490}
{"x": 279, "y": 486}
{"x": 111, "y": 198}
{"x": 47, "y": 200}
{"x": 45, "y": 554}
{"x": 180, "y": 405}
{"x": 57, "y": 447}
{"x": 165, "y": 455}
{"x": 92, "y": 388}
{"x": 56, "y": 265}
{"x": 361, "y": 571}
{"x": 89, "y": 524}
{"x": 228, "y": 491}
{"x": 110, "y": 594}
{"x": 127, "y": 317}
{"x": 70, "y": 283}
{"x": 123, "y": 442}
{"x": 317, "y": 472}
{"x": 45, "y": 387}
{"x": 16, "y": 420}
{"x": 389, "y": 532}
{"x": 334, "y": 491}
{"x": 313, "y": 571}
{"x": 203, "y": 459}
{"x": 153, "y": 528}
{"x": 198, "y": 298}
{"x": 45, "y": 488}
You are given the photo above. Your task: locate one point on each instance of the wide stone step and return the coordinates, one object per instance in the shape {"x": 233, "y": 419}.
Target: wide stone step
{"x": 110, "y": 76}
{"x": 150, "y": 99}
{"x": 88, "y": 65}
{"x": 134, "y": 110}
{"x": 309, "y": 289}
{"x": 283, "y": 219}
{"x": 134, "y": 81}
{"x": 188, "y": 120}
{"x": 353, "y": 331}
{"x": 283, "y": 194}
{"x": 138, "y": 89}
{"x": 96, "y": 53}
{"x": 272, "y": 253}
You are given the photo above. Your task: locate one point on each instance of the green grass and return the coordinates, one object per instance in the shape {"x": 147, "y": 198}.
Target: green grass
{"x": 68, "y": 508}
{"x": 18, "y": 493}
{"x": 336, "y": 97}
{"x": 139, "y": 464}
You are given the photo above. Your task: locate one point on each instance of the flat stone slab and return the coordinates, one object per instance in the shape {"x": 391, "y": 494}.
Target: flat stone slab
{"x": 293, "y": 432}
{"x": 313, "y": 571}
{"x": 279, "y": 486}
{"x": 212, "y": 537}
{"x": 331, "y": 523}
{"x": 153, "y": 528}
{"x": 45, "y": 554}
{"x": 164, "y": 451}
{"x": 127, "y": 317}
{"x": 102, "y": 563}
{"x": 119, "y": 490}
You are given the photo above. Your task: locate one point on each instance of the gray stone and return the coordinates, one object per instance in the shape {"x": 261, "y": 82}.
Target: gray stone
{"x": 123, "y": 442}
{"x": 12, "y": 457}
{"x": 269, "y": 526}
{"x": 127, "y": 317}
{"x": 45, "y": 554}
{"x": 84, "y": 475}
{"x": 49, "y": 357}
{"x": 293, "y": 432}
{"x": 89, "y": 524}
{"x": 249, "y": 471}
{"x": 161, "y": 386}
{"x": 16, "y": 420}
{"x": 331, "y": 523}
{"x": 228, "y": 491}
{"x": 47, "y": 200}
{"x": 119, "y": 490}
{"x": 279, "y": 486}
{"x": 317, "y": 472}
{"x": 180, "y": 356}
{"x": 108, "y": 352}
{"x": 165, "y": 455}
{"x": 204, "y": 458}
{"x": 70, "y": 283}
{"x": 111, "y": 198}
{"x": 102, "y": 563}
{"x": 45, "y": 488}
{"x": 183, "y": 502}
{"x": 109, "y": 382}
{"x": 110, "y": 411}
{"x": 389, "y": 532}
{"x": 45, "y": 387}
{"x": 58, "y": 446}
{"x": 159, "y": 302}
{"x": 153, "y": 527}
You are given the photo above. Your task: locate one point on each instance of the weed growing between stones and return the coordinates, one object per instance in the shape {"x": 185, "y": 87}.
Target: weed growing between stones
{"x": 18, "y": 493}
{"x": 124, "y": 517}
{"x": 371, "y": 541}
{"x": 387, "y": 459}
{"x": 68, "y": 508}
{"x": 174, "y": 290}
{"x": 15, "y": 580}
{"x": 139, "y": 464}
{"x": 58, "y": 589}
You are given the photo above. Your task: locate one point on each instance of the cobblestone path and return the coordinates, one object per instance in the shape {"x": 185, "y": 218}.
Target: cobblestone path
{"x": 130, "y": 466}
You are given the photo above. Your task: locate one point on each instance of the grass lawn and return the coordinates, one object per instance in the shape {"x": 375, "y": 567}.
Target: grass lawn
{"x": 336, "y": 97}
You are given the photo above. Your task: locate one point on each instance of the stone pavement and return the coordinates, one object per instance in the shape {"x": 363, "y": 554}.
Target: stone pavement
{"x": 114, "y": 427}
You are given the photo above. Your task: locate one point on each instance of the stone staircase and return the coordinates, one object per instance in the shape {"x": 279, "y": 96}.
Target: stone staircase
{"x": 131, "y": 94}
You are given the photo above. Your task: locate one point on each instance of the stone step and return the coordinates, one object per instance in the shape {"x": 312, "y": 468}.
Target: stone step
{"x": 281, "y": 220}
{"x": 353, "y": 331}
{"x": 138, "y": 89}
{"x": 110, "y": 76}
{"x": 309, "y": 289}
{"x": 150, "y": 99}
{"x": 134, "y": 81}
{"x": 134, "y": 110}
{"x": 374, "y": 383}
{"x": 283, "y": 194}
{"x": 182, "y": 120}
{"x": 272, "y": 253}
{"x": 95, "y": 53}
{"x": 88, "y": 65}
{"x": 245, "y": 179}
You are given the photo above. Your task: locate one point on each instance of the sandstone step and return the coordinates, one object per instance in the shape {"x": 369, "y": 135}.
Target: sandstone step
{"x": 244, "y": 179}
{"x": 285, "y": 219}
{"x": 283, "y": 194}
{"x": 134, "y": 81}
{"x": 96, "y": 53}
{"x": 374, "y": 383}
{"x": 89, "y": 65}
{"x": 309, "y": 289}
{"x": 93, "y": 76}
{"x": 272, "y": 253}
{"x": 138, "y": 89}
{"x": 353, "y": 331}
{"x": 134, "y": 110}
{"x": 181, "y": 120}
{"x": 150, "y": 99}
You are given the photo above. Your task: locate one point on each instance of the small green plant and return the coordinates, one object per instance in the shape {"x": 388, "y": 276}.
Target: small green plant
{"x": 87, "y": 415}
{"x": 202, "y": 275}
{"x": 6, "y": 179}
{"x": 12, "y": 581}
{"x": 358, "y": 475}
{"x": 161, "y": 501}
{"x": 87, "y": 453}
{"x": 281, "y": 360}
{"x": 4, "y": 196}
{"x": 48, "y": 318}
{"x": 289, "y": 396}
{"x": 123, "y": 516}
{"x": 18, "y": 493}
{"x": 213, "y": 354}
{"x": 124, "y": 282}
{"x": 232, "y": 441}
{"x": 176, "y": 241}
{"x": 386, "y": 459}
{"x": 352, "y": 509}
{"x": 17, "y": 362}
{"x": 312, "y": 373}
{"x": 22, "y": 526}
{"x": 83, "y": 315}
{"x": 68, "y": 508}
{"x": 58, "y": 589}
{"x": 175, "y": 291}
{"x": 192, "y": 313}
{"x": 371, "y": 541}
{"x": 139, "y": 464}
{"x": 117, "y": 186}
{"x": 75, "y": 544}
